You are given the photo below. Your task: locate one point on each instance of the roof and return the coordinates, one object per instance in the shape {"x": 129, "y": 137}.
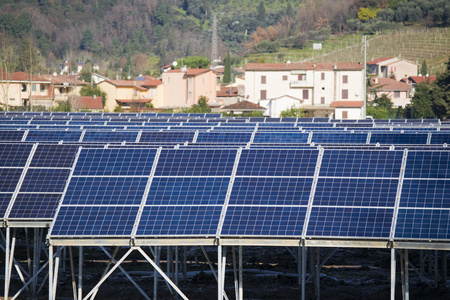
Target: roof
{"x": 190, "y": 72}
{"x": 388, "y": 84}
{"x": 379, "y": 60}
{"x": 22, "y": 76}
{"x": 125, "y": 101}
{"x": 126, "y": 83}
{"x": 65, "y": 79}
{"x": 244, "y": 105}
{"x": 347, "y": 103}
{"x": 227, "y": 92}
{"x": 303, "y": 66}
{"x": 418, "y": 79}
{"x": 86, "y": 102}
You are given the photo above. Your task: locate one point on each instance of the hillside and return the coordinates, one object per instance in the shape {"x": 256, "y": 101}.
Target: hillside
{"x": 416, "y": 44}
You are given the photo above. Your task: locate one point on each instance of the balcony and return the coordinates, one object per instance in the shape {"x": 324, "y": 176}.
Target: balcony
{"x": 301, "y": 84}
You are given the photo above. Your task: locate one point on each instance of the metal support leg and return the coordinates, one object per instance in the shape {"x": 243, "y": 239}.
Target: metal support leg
{"x": 80, "y": 273}
{"x": 219, "y": 271}
{"x": 7, "y": 249}
{"x": 50, "y": 273}
{"x": 241, "y": 278}
{"x": 72, "y": 274}
{"x": 436, "y": 268}
{"x": 304, "y": 256}
{"x": 177, "y": 263}
{"x": 236, "y": 281}
{"x": 444, "y": 267}
{"x": 406, "y": 274}
{"x": 318, "y": 273}
{"x": 393, "y": 273}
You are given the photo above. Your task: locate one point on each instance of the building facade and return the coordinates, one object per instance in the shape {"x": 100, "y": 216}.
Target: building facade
{"x": 313, "y": 87}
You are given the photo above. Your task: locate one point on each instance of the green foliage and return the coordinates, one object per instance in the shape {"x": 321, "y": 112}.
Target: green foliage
{"x": 366, "y": 13}
{"x": 89, "y": 90}
{"x": 424, "y": 68}
{"x": 227, "y": 69}
{"x": 380, "y": 108}
{"x": 267, "y": 47}
{"x": 118, "y": 109}
{"x": 194, "y": 62}
{"x": 16, "y": 26}
{"x": 254, "y": 114}
{"x": 440, "y": 94}
{"x": 201, "y": 107}
{"x": 63, "y": 106}
{"x": 262, "y": 12}
{"x": 421, "y": 102}
{"x": 29, "y": 58}
{"x": 292, "y": 112}
{"x": 321, "y": 34}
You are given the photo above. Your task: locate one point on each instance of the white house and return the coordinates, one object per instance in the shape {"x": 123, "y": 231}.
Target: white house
{"x": 392, "y": 66}
{"x": 314, "y": 87}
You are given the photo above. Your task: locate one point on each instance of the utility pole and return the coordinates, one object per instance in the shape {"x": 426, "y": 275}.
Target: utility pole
{"x": 364, "y": 83}
{"x": 214, "y": 42}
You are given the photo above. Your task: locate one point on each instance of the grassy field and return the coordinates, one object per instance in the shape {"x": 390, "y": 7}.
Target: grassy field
{"x": 416, "y": 44}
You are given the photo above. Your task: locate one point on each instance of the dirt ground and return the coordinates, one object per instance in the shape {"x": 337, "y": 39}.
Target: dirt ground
{"x": 269, "y": 273}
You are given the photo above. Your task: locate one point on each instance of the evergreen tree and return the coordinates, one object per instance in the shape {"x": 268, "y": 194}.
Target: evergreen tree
{"x": 262, "y": 12}
{"x": 227, "y": 70}
{"x": 421, "y": 102}
{"x": 440, "y": 94}
{"x": 423, "y": 68}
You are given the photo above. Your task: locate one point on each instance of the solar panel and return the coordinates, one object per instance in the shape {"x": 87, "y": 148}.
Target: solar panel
{"x": 34, "y": 206}
{"x": 428, "y": 164}
{"x": 423, "y": 224}
{"x": 48, "y": 136}
{"x": 281, "y": 138}
{"x": 339, "y": 138}
{"x": 54, "y": 156}
{"x": 167, "y": 136}
{"x": 8, "y": 179}
{"x": 440, "y": 138}
{"x": 115, "y": 162}
{"x": 5, "y": 198}
{"x": 224, "y": 137}
{"x": 45, "y": 180}
{"x": 110, "y": 136}
{"x": 11, "y": 135}
{"x": 425, "y": 193}
{"x": 195, "y": 162}
{"x": 399, "y": 138}
{"x": 14, "y": 155}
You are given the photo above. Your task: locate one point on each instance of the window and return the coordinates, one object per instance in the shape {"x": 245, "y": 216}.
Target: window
{"x": 190, "y": 80}
{"x": 345, "y": 79}
{"x": 263, "y": 95}
{"x": 305, "y": 94}
{"x": 396, "y": 94}
{"x": 285, "y": 78}
{"x": 33, "y": 88}
{"x": 344, "y": 94}
{"x": 345, "y": 114}
{"x": 24, "y": 88}
{"x": 322, "y": 76}
{"x": 135, "y": 93}
{"x": 263, "y": 79}
{"x": 322, "y": 100}
{"x": 42, "y": 88}
{"x": 302, "y": 77}
{"x": 190, "y": 95}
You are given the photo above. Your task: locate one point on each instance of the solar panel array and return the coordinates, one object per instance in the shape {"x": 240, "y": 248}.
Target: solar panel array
{"x": 141, "y": 176}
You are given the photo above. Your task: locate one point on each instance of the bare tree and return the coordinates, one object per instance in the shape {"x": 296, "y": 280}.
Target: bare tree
{"x": 8, "y": 65}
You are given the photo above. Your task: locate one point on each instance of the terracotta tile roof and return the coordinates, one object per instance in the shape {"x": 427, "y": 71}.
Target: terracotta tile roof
{"x": 124, "y": 101}
{"x": 388, "y": 84}
{"x": 22, "y": 76}
{"x": 65, "y": 78}
{"x": 377, "y": 61}
{"x": 227, "y": 92}
{"x": 86, "y": 102}
{"x": 190, "y": 72}
{"x": 125, "y": 83}
{"x": 417, "y": 79}
{"x": 347, "y": 103}
{"x": 302, "y": 66}
{"x": 244, "y": 105}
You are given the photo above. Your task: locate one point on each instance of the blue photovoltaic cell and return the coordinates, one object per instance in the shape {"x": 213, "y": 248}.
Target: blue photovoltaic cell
{"x": 277, "y": 162}
{"x": 195, "y": 162}
{"x": 264, "y": 221}
{"x": 423, "y": 224}
{"x": 94, "y": 221}
{"x": 166, "y": 136}
{"x": 45, "y": 181}
{"x": 53, "y": 136}
{"x": 179, "y": 220}
{"x": 115, "y": 162}
{"x": 350, "y": 222}
{"x": 54, "y": 156}
{"x": 339, "y": 138}
{"x": 14, "y": 155}
{"x": 224, "y": 137}
{"x": 281, "y": 137}
{"x": 105, "y": 191}
{"x": 188, "y": 191}
{"x": 34, "y": 206}
{"x": 271, "y": 191}
{"x": 11, "y": 135}
{"x": 425, "y": 193}
{"x": 428, "y": 164}
{"x": 110, "y": 136}
{"x": 355, "y": 192}
{"x": 4, "y": 202}
{"x": 440, "y": 138}
{"x": 9, "y": 179}
{"x": 361, "y": 163}
{"x": 399, "y": 138}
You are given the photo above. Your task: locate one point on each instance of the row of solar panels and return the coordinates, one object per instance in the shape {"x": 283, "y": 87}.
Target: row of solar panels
{"x": 328, "y": 193}
{"x": 258, "y": 192}
{"x": 108, "y": 115}
{"x": 226, "y": 137}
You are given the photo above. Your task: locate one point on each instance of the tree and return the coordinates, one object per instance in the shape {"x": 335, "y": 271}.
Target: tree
{"x": 8, "y": 66}
{"x": 421, "y": 102}
{"x": 201, "y": 107}
{"x": 194, "y": 62}
{"x": 227, "y": 70}
{"x": 30, "y": 59}
{"x": 423, "y": 68}
{"x": 366, "y": 13}
{"x": 293, "y": 112}
{"x": 87, "y": 41}
{"x": 440, "y": 94}
{"x": 261, "y": 12}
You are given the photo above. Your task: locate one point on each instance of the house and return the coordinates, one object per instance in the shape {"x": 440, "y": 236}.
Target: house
{"x": 227, "y": 95}
{"x": 64, "y": 86}
{"x": 20, "y": 89}
{"x": 132, "y": 94}
{"x": 312, "y": 86}
{"x": 399, "y": 92}
{"x": 387, "y": 67}
{"x": 243, "y": 107}
{"x": 413, "y": 80}
{"x": 183, "y": 87}
{"x": 86, "y": 103}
